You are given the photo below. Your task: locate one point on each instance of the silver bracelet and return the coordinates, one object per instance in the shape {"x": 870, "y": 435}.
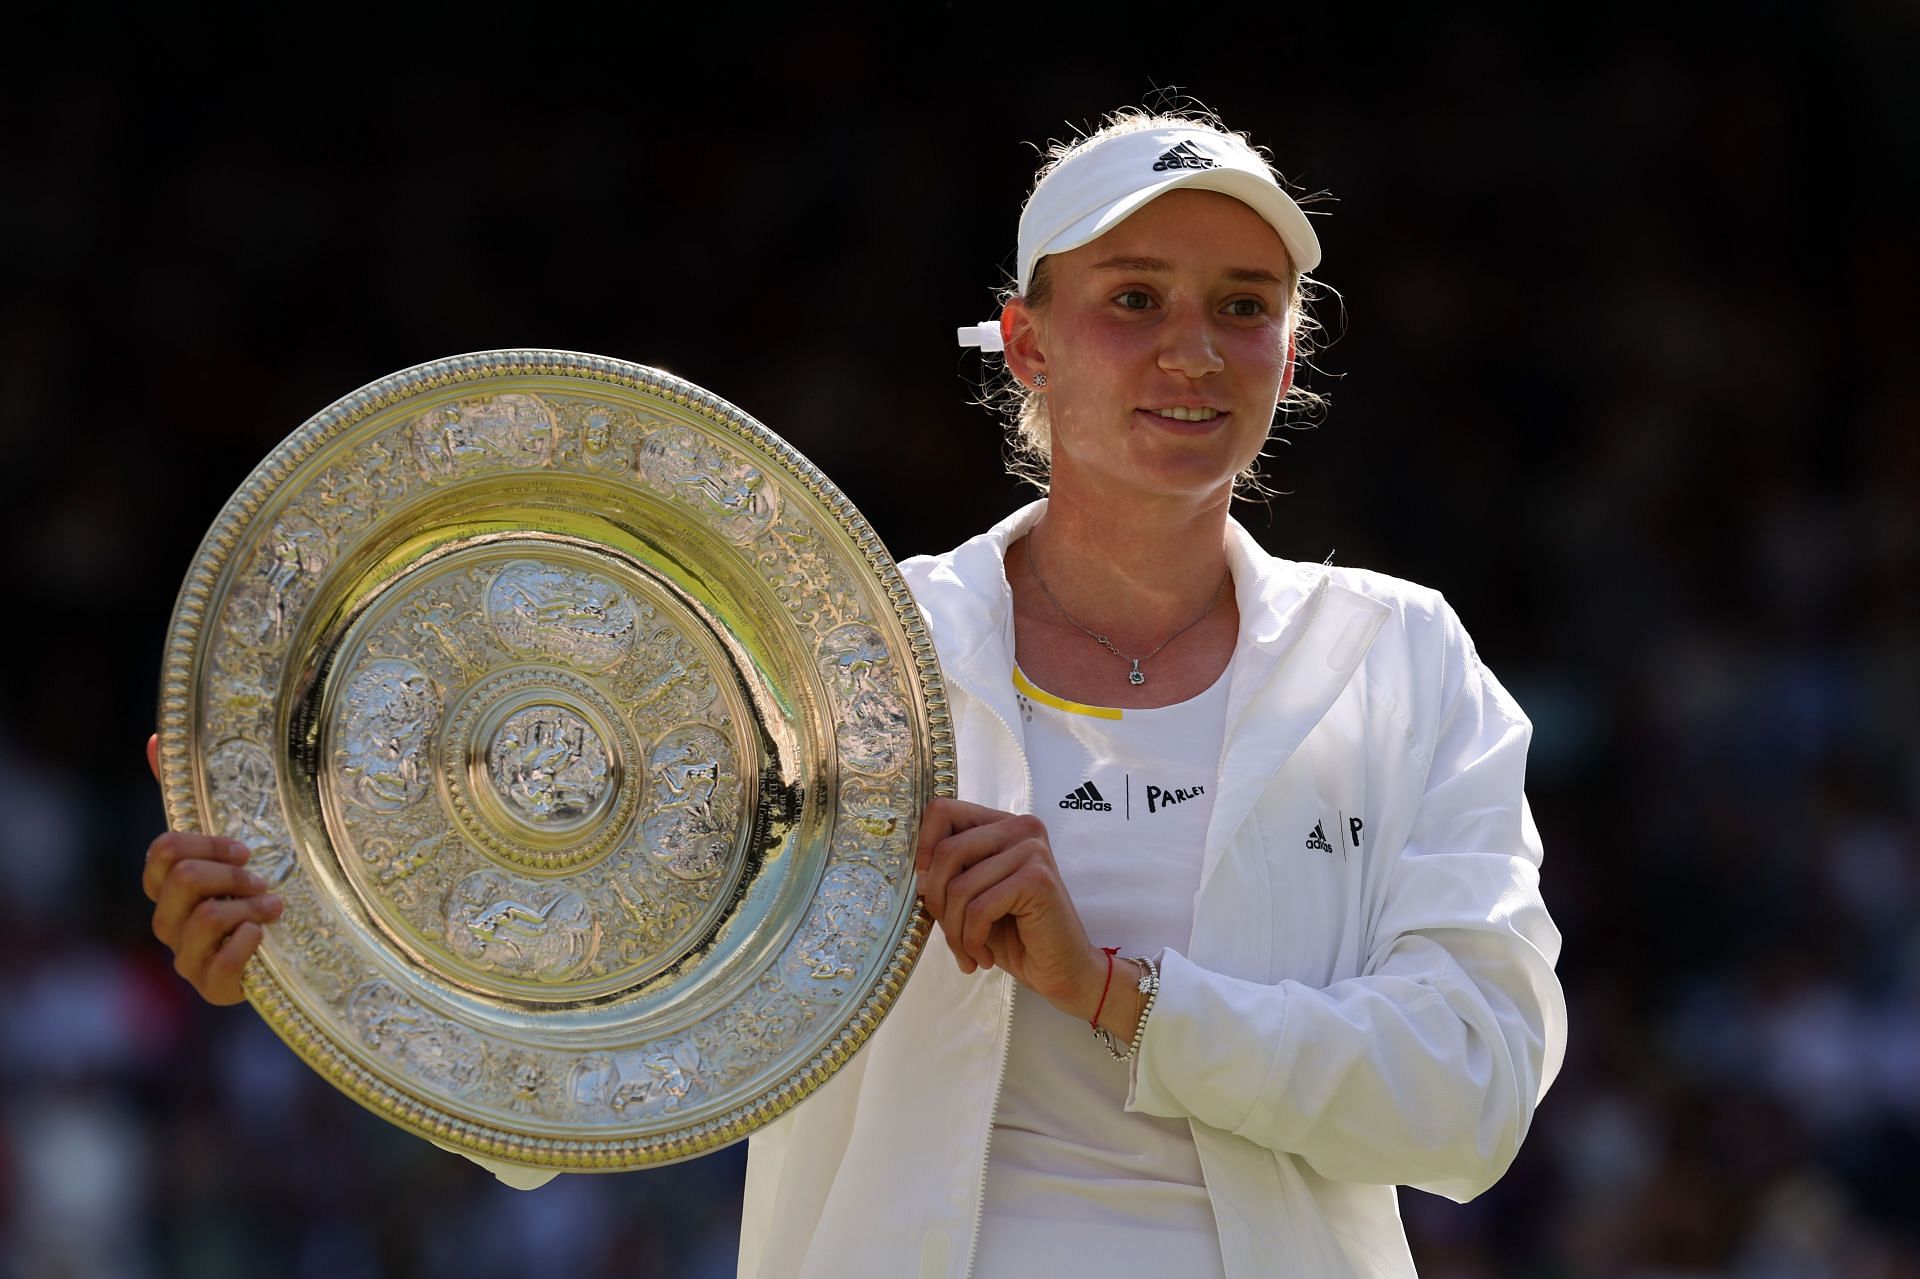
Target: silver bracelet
{"x": 1149, "y": 987}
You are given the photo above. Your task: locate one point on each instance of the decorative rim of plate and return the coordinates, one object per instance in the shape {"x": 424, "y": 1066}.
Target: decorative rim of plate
{"x": 176, "y": 744}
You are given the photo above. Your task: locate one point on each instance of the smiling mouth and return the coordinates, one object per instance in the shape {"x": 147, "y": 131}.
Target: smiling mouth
{"x": 1180, "y": 414}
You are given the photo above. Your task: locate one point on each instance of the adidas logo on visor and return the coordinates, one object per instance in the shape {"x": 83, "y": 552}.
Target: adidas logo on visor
{"x": 1184, "y": 156}
{"x": 1088, "y": 799}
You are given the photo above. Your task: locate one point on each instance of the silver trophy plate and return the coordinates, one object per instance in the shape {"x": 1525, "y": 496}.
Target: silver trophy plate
{"x": 585, "y": 728}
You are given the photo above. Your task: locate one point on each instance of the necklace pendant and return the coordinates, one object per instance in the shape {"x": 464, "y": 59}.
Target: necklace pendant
{"x": 1134, "y": 676}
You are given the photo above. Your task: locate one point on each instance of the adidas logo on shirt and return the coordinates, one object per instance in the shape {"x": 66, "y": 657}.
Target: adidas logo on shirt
{"x": 1184, "y": 156}
{"x": 1087, "y": 798}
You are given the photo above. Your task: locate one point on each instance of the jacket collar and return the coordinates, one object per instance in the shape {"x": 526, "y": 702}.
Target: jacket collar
{"x": 975, "y": 602}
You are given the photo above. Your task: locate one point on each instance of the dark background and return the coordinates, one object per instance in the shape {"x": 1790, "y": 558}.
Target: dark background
{"x": 1625, "y": 321}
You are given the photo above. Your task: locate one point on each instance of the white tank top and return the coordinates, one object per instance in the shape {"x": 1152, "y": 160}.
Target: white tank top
{"x": 1075, "y": 1184}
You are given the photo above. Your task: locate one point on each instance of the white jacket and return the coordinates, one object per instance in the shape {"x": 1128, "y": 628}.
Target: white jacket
{"x": 1371, "y": 1008}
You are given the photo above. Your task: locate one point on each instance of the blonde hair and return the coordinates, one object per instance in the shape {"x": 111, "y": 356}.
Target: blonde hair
{"x": 1029, "y": 429}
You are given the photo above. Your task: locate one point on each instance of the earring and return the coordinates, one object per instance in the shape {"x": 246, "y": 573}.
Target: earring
{"x": 1039, "y": 379}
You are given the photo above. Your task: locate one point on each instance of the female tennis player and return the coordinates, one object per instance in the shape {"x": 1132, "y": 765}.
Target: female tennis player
{"x": 1239, "y": 921}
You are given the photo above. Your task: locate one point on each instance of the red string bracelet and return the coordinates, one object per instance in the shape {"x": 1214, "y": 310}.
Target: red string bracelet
{"x": 1110, "y": 952}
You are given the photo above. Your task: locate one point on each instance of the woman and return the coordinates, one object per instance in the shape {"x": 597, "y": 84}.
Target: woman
{"x": 1290, "y": 794}
{"x": 1239, "y": 898}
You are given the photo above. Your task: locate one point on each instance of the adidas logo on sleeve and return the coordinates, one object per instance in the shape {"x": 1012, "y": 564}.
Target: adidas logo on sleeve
{"x": 1086, "y": 798}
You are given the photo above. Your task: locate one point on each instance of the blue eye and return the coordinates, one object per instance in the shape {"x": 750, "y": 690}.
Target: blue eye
{"x": 1247, "y": 308}
{"x": 1134, "y": 300}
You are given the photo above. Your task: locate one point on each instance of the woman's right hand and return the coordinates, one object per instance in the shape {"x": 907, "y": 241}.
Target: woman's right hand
{"x": 207, "y": 907}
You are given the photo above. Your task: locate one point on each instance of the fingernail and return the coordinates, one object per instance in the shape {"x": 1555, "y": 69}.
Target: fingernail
{"x": 272, "y": 901}
{"x": 239, "y": 849}
{"x": 251, "y": 882}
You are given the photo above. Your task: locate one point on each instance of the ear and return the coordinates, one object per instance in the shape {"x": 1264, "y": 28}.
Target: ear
{"x": 1286, "y": 378}
{"x": 1020, "y": 333}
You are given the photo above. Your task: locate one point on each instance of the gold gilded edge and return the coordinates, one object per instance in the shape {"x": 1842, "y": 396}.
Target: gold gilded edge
{"x": 175, "y": 722}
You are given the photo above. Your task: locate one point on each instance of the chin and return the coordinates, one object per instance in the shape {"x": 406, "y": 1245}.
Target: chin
{"x": 1190, "y": 482}
{"x": 1193, "y": 472}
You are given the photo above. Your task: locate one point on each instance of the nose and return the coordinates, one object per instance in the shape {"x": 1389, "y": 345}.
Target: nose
{"x": 1188, "y": 343}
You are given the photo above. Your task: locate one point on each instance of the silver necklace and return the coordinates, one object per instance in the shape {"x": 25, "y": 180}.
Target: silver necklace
{"x": 1136, "y": 675}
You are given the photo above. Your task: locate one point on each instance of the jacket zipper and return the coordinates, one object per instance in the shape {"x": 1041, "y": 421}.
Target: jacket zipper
{"x": 986, "y": 1146}
{"x": 1006, "y": 1025}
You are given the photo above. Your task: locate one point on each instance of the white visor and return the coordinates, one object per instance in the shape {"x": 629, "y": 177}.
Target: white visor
{"x": 1090, "y": 192}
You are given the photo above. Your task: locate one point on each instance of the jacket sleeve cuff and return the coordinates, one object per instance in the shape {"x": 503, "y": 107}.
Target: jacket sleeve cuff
{"x": 1190, "y": 1010}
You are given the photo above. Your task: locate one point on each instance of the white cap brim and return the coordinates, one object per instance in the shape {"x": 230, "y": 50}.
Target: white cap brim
{"x": 1263, "y": 197}
{"x": 1093, "y": 190}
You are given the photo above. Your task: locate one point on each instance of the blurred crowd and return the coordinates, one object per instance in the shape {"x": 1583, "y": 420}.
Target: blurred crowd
{"x": 1623, "y": 365}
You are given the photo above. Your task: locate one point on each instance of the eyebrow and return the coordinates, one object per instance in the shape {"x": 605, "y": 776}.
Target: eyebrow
{"x": 1238, "y": 274}
{"x": 1133, "y": 264}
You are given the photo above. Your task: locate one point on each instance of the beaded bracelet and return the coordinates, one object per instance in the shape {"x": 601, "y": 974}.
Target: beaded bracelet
{"x": 1149, "y": 987}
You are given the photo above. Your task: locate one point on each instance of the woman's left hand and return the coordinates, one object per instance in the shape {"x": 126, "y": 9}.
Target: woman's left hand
{"x": 990, "y": 880}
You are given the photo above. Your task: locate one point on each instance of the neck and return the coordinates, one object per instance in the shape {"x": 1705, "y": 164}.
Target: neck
{"x": 1138, "y": 569}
